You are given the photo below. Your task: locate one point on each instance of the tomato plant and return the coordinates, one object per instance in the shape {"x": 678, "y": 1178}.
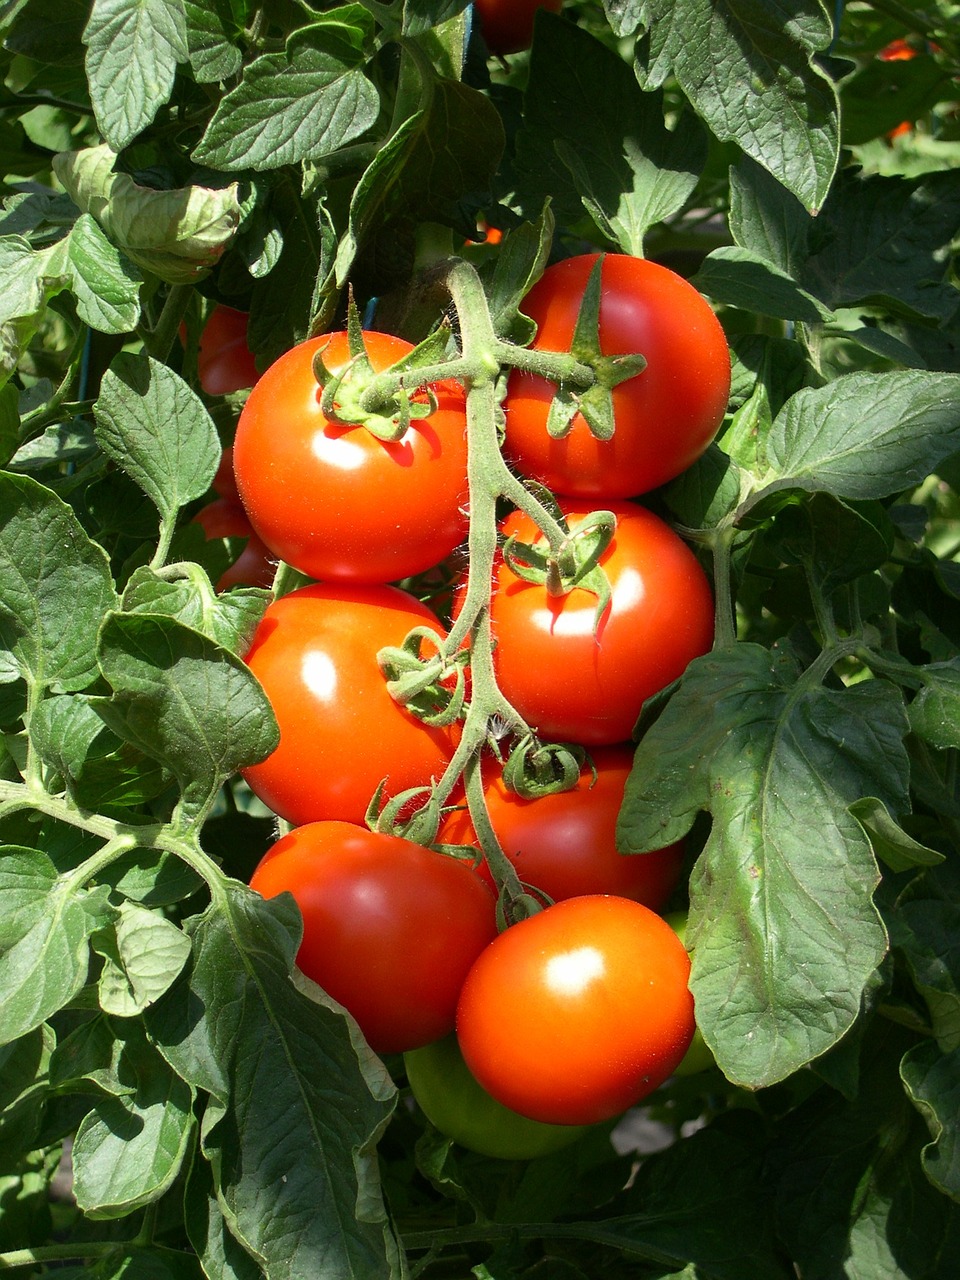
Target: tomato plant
{"x": 564, "y": 843}
{"x": 389, "y": 928}
{"x": 453, "y": 1101}
{"x": 698, "y": 1057}
{"x": 334, "y": 499}
{"x": 225, "y": 362}
{"x": 666, "y": 415}
{"x": 341, "y": 734}
{"x": 578, "y": 1012}
{"x": 507, "y": 25}
{"x": 578, "y": 679}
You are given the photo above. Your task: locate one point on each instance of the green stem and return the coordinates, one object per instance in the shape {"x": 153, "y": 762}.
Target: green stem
{"x": 168, "y": 525}
{"x": 159, "y": 342}
{"x": 725, "y": 627}
{"x": 33, "y": 423}
{"x": 57, "y": 1253}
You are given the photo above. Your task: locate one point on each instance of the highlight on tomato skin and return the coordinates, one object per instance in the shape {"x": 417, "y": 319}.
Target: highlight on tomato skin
{"x": 390, "y": 928}
{"x": 666, "y": 416}
{"x": 575, "y": 1014}
{"x": 565, "y": 844}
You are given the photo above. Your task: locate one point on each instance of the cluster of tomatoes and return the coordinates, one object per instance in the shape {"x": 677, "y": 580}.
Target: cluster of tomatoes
{"x": 512, "y": 1039}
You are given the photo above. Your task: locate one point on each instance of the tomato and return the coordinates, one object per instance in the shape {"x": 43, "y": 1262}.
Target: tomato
{"x": 341, "y": 733}
{"x": 455, "y": 1103}
{"x": 390, "y": 929}
{"x": 224, "y": 483}
{"x": 572, "y": 685}
{"x": 224, "y": 361}
{"x": 336, "y": 502}
{"x": 574, "y": 1014}
{"x": 666, "y": 415}
{"x": 507, "y": 25}
{"x": 254, "y": 567}
{"x": 222, "y": 518}
{"x": 566, "y": 844}
{"x": 698, "y": 1057}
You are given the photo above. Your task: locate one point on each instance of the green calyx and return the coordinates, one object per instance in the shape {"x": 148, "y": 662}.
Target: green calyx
{"x": 575, "y": 562}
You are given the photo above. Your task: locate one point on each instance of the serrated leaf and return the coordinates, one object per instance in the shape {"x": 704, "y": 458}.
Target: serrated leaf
{"x": 55, "y": 587}
{"x": 133, "y": 47}
{"x": 148, "y": 955}
{"x": 591, "y": 134}
{"x": 753, "y": 78}
{"x": 106, "y": 285}
{"x": 301, "y": 104}
{"x": 222, "y": 1256}
{"x": 45, "y": 939}
{"x": 154, "y": 426}
{"x": 767, "y": 219}
{"x": 932, "y": 1080}
{"x": 865, "y": 435}
{"x": 300, "y": 1099}
{"x": 178, "y": 235}
{"x": 782, "y": 924}
{"x": 229, "y": 620}
{"x": 519, "y": 264}
{"x": 184, "y": 701}
{"x": 129, "y": 1148}
{"x": 210, "y": 26}
{"x": 740, "y": 278}
{"x": 63, "y": 729}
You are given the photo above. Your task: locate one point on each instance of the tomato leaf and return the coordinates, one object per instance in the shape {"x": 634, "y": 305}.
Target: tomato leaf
{"x": 781, "y": 908}
{"x": 740, "y": 278}
{"x": 158, "y": 430}
{"x": 183, "y": 701}
{"x": 209, "y": 27}
{"x": 755, "y": 81}
{"x": 133, "y": 47}
{"x": 229, "y": 620}
{"x": 304, "y": 103}
{"x": 932, "y": 1080}
{"x": 143, "y": 954}
{"x": 55, "y": 587}
{"x": 298, "y": 1097}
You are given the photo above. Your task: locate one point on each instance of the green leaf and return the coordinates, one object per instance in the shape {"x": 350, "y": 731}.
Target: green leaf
{"x": 301, "y": 1099}
{"x": 229, "y": 620}
{"x": 890, "y": 842}
{"x": 932, "y": 1081}
{"x": 143, "y": 956}
{"x": 9, "y": 423}
{"x": 48, "y": 31}
{"x": 866, "y": 435}
{"x": 178, "y": 235}
{"x": 157, "y": 429}
{"x": 591, "y": 134}
{"x": 304, "y": 103}
{"x": 935, "y": 711}
{"x": 752, "y": 76}
{"x": 782, "y": 924}
{"x": 55, "y": 587}
{"x": 838, "y": 543}
{"x": 767, "y": 220}
{"x": 210, "y": 26}
{"x": 133, "y": 47}
{"x": 925, "y": 929}
{"x": 222, "y": 1256}
{"x": 106, "y": 285}
{"x": 45, "y": 939}
{"x": 740, "y": 278}
{"x": 63, "y": 729}
{"x": 447, "y": 150}
{"x": 129, "y": 1148}
{"x": 520, "y": 263}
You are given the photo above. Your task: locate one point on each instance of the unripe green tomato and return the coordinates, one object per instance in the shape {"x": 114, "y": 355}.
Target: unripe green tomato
{"x": 698, "y": 1057}
{"x": 461, "y": 1109}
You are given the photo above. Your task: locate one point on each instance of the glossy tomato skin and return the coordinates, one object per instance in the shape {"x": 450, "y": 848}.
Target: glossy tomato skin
{"x": 334, "y": 501}
{"x": 573, "y": 686}
{"x": 666, "y": 415}
{"x": 390, "y": 928}
{"x": 507, "y": 25}
{"x": 461, "y": 1109}
{"x": 224, "y": 361}
{"x": 341, "y": 734}
{"x": 574, "y": 1014}
{"x": 565, "y": 844}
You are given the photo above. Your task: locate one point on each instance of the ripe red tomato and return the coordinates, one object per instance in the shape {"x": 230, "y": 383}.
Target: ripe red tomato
{"x": 334, "y": 501}
{"x": 566, "y": 844}
{"x": 390, "y": 929}
{"x": 224, "y": 361}
{"x": 573, "y": 686}
{"x": 666, "y": 416}
{"x": 507, "y": 25}
{"x": 573, "y": 1015}
{"x": 461, "y": 1109}
{"x": 254, "y": 566}
{"x": 341, "y": 734}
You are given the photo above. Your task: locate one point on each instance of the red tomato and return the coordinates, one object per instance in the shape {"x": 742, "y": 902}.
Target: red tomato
{"x": 341, "y": 734}
{"x": 222, "y": 518}
{"x": 573, "y": 686}
{"x": 224, "y": 361}
{"x": 566, "y": 844}
{"x": 573, "y": 1015}
{"x": 334, "y": 501}
{"x": 390, "y": 929}
{"x": 507, "y": 25}
{"x": 666, "y": 416}
{"x": 224, "y": 483}
{"x": 253, "y": 567}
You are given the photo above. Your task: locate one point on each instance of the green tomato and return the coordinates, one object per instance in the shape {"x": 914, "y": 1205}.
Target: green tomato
{"x": 699, "y": 1056}
{"x": 460, "y": 1108}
